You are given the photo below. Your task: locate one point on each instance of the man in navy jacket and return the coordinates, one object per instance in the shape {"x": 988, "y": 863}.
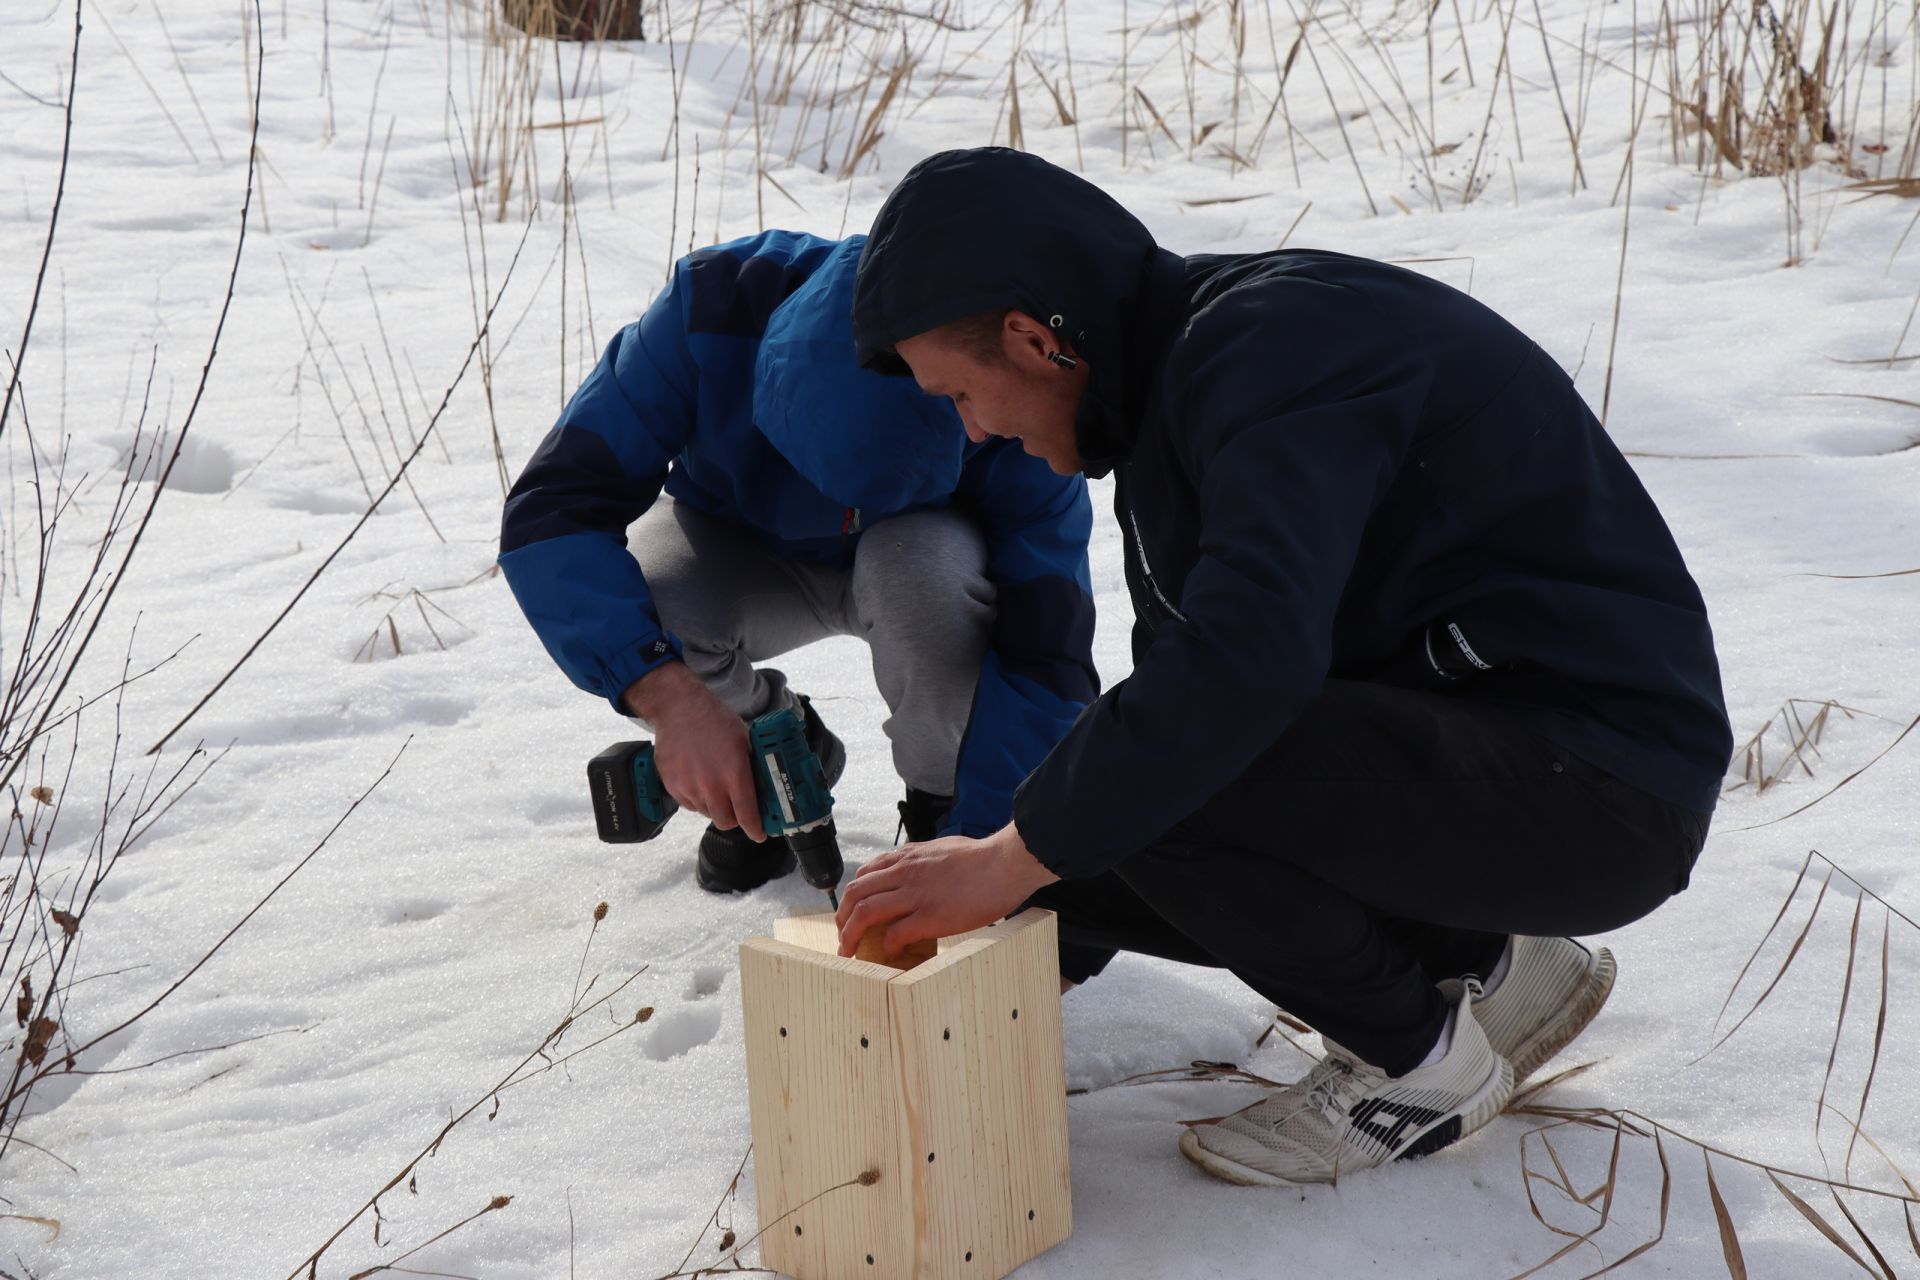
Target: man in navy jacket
{"x": 1421, "y": 683}
{"x": 809, "y": 497}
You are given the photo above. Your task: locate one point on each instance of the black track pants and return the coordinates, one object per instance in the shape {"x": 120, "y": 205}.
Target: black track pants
{"x": 1389, "y": 839}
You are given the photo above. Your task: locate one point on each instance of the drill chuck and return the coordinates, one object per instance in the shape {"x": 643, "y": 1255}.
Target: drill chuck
{"x": 818, "y": 850}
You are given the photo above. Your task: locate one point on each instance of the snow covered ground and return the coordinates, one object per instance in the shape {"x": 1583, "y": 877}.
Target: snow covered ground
{"x": 439, "y": 937}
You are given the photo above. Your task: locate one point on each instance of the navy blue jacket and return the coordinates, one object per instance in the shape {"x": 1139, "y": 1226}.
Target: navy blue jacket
{"x": 739, "y": 393}
{"x": 1327, "y": 468}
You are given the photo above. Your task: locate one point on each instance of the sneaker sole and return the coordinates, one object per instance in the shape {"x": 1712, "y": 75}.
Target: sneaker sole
{"x": 1535, "y": 1051}
{"x": 1488, "y": 1101}
{"x": 1224, "y": 1169}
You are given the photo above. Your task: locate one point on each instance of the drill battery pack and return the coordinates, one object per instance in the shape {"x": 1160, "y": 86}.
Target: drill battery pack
{"x": 629, "y": 804}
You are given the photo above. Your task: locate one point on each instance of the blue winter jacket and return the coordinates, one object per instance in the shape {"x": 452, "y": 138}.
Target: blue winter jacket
{"x": 738, "y": 392}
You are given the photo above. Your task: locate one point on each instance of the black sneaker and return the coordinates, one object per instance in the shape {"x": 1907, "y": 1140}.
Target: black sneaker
{"x": 921, "y": 815}
{"x": 729, "y": 861}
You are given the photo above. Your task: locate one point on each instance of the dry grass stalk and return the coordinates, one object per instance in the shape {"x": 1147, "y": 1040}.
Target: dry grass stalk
{"x": 23, "y": 1081}
{"x": 733, "y": 1265}
{"x": 390, "y": 629}
{"x": 1313, "y": 58}
{"x": 1803, "y": 722}
{"x": 1821, "y": 1224}
{"x": 492, "y": 1206}
{"x": 1856, "y": 1122}
{"x": 1884, "y": 751}
{"x": 522, "y": 1072}
{"x": 18, "y": 356}
{"x": 1729, "y": 1237}
{"x": 1621, "y": 1125}
{"x": 400, "y": 473}
{"x": 36, "y": 684}
{"x": 1786, "y": 963}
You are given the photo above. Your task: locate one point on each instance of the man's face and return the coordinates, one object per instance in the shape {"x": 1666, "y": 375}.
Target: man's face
{"x": 1021, "y": 396}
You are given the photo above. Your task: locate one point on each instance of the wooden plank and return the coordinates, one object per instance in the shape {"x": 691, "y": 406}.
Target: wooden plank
{"x": 821, "y": 1070}
{"x": 815, "y": 931}
{"x": 818, "y": 932}
{"x": 982, "y": 1092}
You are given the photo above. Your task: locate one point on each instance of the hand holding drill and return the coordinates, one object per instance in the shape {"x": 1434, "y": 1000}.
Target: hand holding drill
{"x": 791, "y": 800}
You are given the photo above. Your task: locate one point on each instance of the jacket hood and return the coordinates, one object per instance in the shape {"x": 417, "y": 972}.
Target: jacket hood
{"x": 985, "y": 228}
{"x": 862, "y": 439}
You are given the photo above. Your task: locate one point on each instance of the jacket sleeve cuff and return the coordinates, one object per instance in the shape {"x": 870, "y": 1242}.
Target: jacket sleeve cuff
{"x": 1045, "y": 833}
{"x": 630, "y": 665}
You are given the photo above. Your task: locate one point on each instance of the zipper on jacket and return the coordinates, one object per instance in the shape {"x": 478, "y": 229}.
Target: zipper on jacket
{"x": 1146, "y": 570}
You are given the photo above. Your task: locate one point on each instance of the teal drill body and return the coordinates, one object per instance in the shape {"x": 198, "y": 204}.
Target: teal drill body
{"x": 631, "y": 804}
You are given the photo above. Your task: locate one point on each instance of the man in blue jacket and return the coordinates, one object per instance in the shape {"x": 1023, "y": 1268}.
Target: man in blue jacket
{"x": 1421, "y": 683}
{"x": 808, "y": 497}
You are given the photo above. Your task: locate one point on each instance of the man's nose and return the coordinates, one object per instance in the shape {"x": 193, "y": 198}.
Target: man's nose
{"x": 974, "y": 433}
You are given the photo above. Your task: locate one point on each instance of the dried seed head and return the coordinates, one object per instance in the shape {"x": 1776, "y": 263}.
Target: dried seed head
{"x": 641, "y": 1015}
{"x": 39, "y": 1036}
{"x": 68, "y": 922}
{"x": 499, "y": 1202}
{"x": 600, "y": 913}
{"x": 43, "y": 794}
{"x": 868, "y": 1178}
{"x": 726, "y": 1242}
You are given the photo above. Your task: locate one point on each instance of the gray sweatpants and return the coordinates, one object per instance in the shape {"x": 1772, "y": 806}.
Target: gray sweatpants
{"x": 917, "y": 594}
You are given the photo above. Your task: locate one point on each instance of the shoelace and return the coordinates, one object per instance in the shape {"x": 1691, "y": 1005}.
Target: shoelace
{"x": 1342, "y": 1083}
{"x": 1331, "y": 1088}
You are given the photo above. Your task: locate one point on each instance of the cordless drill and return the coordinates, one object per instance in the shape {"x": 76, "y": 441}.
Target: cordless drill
{"x": 631, "y": 804}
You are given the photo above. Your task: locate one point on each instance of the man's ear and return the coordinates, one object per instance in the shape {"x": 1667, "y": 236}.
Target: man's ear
{"x": 1025, "y": 339}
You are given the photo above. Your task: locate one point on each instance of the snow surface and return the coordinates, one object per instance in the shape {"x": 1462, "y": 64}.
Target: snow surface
{"x": 439, "y": 937}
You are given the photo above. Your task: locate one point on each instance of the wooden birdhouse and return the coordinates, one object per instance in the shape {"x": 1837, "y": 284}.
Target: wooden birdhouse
{"x": 908, "y": 1124}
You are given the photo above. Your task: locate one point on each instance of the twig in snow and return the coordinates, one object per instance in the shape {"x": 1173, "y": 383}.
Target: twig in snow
{"x": 398, "y": 475}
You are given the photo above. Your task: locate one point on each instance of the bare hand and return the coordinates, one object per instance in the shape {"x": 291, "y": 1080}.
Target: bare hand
{"x": 700, "y": 747}
{"x": 938, "y": 889}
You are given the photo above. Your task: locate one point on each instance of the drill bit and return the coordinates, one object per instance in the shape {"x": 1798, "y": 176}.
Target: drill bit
{"x": 834, "y": 898}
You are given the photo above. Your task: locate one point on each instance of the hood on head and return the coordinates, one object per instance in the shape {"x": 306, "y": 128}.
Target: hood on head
{"x": 970, "y": 231}
{"x": 863, "y": 439}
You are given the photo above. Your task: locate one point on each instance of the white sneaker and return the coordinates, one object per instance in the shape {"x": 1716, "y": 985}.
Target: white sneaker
{"x": 1346, "y": 1115}
{"x": 1551, "y": 990}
